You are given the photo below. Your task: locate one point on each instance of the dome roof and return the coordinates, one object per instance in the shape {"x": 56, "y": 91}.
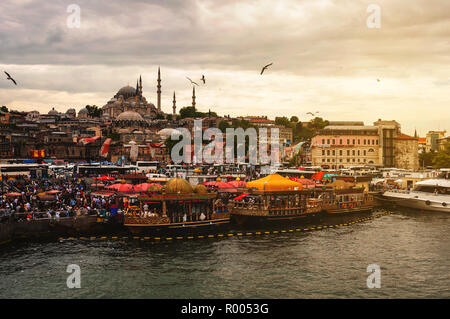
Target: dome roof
{"x": 126, "y": 91}
{"x": 53, "y": 112}
{"x": 167, "y": 132}
{"x": 130, "y": 116}
{"x": 83, "y": 110}
{"x": 178, "y": 186}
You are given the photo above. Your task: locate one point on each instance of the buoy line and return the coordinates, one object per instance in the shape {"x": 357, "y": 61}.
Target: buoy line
{"x": 224, "y": 235}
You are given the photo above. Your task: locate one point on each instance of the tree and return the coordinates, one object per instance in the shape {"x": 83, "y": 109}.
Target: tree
{"x": 442, "y": 158}
{"x": 4, "y": 109}
{"x": 426, "y": 158}
{"x": 159, "y": 116}
{"x": 294, "y": 119}
{"x": 223, "y": 125}
{"x": 284, "y": 121}
{"x": 94, "y": 111}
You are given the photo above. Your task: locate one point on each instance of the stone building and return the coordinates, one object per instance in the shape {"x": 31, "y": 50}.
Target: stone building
{"x": 406, "y": 152}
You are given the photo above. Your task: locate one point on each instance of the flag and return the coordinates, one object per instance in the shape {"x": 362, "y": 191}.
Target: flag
{"x": 105, "y": 148}
{"x": 88, "y": 140}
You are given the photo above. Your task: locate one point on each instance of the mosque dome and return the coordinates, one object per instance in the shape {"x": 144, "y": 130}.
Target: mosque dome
{"x": 130, "y": 116}
{"x": 83, "y": 111}
{"x": 167, "y": 132}
{"x": 126, "y": 92}
{"x": 53, "y": 112}
{"x": 178, "y": 186}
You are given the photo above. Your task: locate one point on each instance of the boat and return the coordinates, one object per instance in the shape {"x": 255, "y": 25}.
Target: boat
{"x": 270, "y": 207}
{"x": 178, "y": 209}
{"x": 428, "y": 195}
{"x": 341, "y": 197}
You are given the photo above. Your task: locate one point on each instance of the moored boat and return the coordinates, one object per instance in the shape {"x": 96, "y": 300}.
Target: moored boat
{"x": 178, "y": 209}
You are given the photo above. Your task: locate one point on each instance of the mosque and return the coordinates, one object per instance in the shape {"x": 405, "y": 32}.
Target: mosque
{"x": 129, "y": 104}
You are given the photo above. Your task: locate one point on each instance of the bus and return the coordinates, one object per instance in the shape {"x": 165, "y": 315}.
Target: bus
{"x": 32, "y": 170}
{"x": 97, "y": 169}
{"x": 147, "y": 166}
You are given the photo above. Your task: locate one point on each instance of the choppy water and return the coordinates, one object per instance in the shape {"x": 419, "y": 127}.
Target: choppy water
{"x": 412, "y": 249}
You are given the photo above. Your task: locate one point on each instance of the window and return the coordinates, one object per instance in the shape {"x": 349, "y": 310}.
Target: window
{"x": 359, "y": 141}
{"x": 328, "y": 152}
{"x": 373, "y": 142}
{"x": 340, "y": 152}
{"x": 323, "y": 152}
{"x": 365, "y": 153}
{"x": 334, "y": 153}
{"x": 358, "y": 160}
{"x": 323, "y": 160}
{"x": 359, "y": 153}
{"x": 333, "y": 141}
{"x": 348, "y": 152}
{"x": 364, "y": 142}
{"x": 348, "y": 141}
{"x": 377, "y": 142}
{"x": 328, "y": 142}
{"x": 323, "y": 141}
{"x": 353, "y": 152}
{"x": 371, "y": 150}
{"x": 340, "y": 141}
{"x": 353, "y": 142}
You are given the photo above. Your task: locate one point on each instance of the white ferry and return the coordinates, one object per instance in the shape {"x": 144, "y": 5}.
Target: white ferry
{"x": 430, "y": 195}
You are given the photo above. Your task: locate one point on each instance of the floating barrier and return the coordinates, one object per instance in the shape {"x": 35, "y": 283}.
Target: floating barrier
{"x": 231, "y": 234}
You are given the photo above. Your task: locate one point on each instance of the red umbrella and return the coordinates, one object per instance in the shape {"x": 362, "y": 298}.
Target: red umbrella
{"x": 238, "y": 184}
{"x": 219, "y": 184}
{"x": 13, "y": 194}
{"x": 97, "y": 185}
{"x": 121, "y": 187}
{"x": 144, "y": 187}
{"x": 53, "y": 192}
{"x": 104, "y": 178}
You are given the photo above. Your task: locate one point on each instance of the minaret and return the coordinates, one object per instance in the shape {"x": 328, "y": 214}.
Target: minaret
{"x": 159, "y": 90}
{"x": 174, "y": 107}
{"x": 415, "y": 133}
{"x": 193, "y": 97}
{"x": 140, "y": 85}
{"x": 137, "y": 88}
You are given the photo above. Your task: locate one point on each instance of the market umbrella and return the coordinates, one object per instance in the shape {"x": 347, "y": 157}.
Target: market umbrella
{"x": 13, "y": 194}
{"x": 53, "y": 192}
{"x": 144, "y": 187}
{"x": 237, "y": 183}
{"x": 274, "y": 182}
{"x": 219, "y": 184}
{"x": 121, "y": 187}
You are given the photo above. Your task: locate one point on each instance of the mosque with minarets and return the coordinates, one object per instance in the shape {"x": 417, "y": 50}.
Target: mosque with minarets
{"x": 130, "y": 104}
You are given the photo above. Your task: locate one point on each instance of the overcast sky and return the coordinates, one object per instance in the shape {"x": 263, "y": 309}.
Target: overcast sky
{"x": 325, "y": 57}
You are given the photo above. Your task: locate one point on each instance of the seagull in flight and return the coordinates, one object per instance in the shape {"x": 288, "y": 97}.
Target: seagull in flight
{"x": 10, "y": 78}
{"x": 312, "y": 114}
{"x": 265, "y": 67}
{"x": 203, "y": 79}
{"x": 191, "y": 81}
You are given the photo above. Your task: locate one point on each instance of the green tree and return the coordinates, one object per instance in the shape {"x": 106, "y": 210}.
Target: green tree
{"x": 294, "y": 119}
{"x": 4, "y": 109}
{"x": 284, "y": 121}
{"x": 426, "y": 158}
{"x": 223, "y": 125}
{"x": 442, "y": 158}
{"x": 94, "y": 111}
{"x": 159, "y": 117}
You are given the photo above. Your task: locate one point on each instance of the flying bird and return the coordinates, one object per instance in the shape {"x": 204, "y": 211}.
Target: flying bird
{"x": 265, "y": 67}
{"x": 191, "y": 81}
{"x": 10, "y": 78}
{"x": 312, "y": 114}
{"x": 203, "y": 79}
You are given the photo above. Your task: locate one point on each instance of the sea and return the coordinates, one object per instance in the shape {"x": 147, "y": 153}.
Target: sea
{"x": 402, "y": 254}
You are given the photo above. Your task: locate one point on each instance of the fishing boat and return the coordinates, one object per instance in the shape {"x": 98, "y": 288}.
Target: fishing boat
{"x": 428, "y": 195}
{"x": 178, "y": 209}
{"x": 274, "y": 200}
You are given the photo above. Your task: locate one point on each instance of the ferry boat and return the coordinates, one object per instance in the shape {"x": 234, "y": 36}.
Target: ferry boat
{"x": 347, "y": 201}
{"x": 428, "y": 195}
{"x": 179, "y": 209}
{"x": 261, "y": 207}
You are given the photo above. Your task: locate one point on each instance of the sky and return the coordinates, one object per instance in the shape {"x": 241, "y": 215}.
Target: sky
{"x": 327, "y": 56}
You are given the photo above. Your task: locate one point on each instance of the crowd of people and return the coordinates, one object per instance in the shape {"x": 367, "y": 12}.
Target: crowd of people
{"x": 52, "y": 198}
